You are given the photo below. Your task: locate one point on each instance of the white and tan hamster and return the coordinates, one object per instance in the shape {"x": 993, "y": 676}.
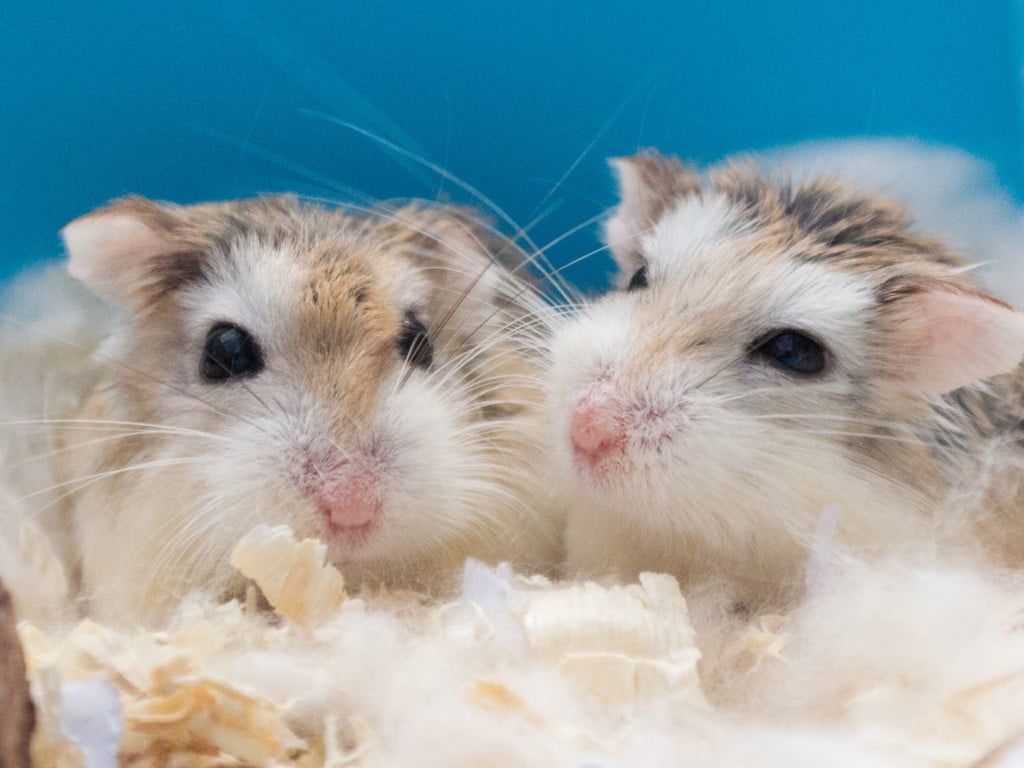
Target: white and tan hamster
{"x": 772, "y": 350}
{"x": 367, "y": 379}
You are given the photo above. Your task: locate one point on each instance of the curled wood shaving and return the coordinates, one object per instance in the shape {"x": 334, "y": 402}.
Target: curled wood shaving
{"x": 292, "y": 575}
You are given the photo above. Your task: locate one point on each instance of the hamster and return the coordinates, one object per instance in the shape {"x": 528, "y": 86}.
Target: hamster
{"x": 773, "y": 356}
{"x": 49, "y": 327}
{"x": 366, "y": 378}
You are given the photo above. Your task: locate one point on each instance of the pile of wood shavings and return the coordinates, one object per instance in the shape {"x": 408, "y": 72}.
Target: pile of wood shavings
{"x": 892, "y": 666}
{"x": 183, "y": 702}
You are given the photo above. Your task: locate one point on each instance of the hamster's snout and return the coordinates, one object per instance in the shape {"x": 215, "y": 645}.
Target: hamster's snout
{"x": 350, "y": 500}
{"x": 610, "y": 428}
{"x": 597, "y": 428}
{"x": 345, "y": 489}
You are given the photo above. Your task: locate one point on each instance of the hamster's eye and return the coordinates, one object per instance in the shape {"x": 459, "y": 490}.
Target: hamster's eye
{"x": 229, "y": 351}
{"x": 638, "y": 280}
{"x": 793, "y": 351}
{"x": 414, "y": 343}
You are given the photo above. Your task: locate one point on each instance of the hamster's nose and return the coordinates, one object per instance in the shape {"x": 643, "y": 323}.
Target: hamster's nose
{"x": 352, "y": 499}
{"x": 597, "y": 427}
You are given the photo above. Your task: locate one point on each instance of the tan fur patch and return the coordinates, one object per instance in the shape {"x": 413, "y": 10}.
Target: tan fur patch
{"x": 348, "y": 329}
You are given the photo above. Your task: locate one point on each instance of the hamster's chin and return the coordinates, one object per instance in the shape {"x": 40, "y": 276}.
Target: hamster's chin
{"x": 353, "y": 544}
{"x": 642, "y": 482}
{"x": 621, "y": 475}
{"x": 611, "y": 470}
{"x": 349, "y": 537}
{"x": 377, "y": 543}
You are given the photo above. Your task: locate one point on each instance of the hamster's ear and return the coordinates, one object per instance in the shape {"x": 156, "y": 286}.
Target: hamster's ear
{"x": 649, "y": 183}
{"x": 126, "y": 251}
{"x": 459, "y": 255}
{"x": 953, "y": 338}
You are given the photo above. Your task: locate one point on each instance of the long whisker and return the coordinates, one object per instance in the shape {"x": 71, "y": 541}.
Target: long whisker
{"x": 568, "y": 233}
{"x": 245, "y": 386}
{"x": 860, "y": 420}
{"x": 303, "y": 171}
{"x": 84, "y": 481}
{"x": 110, "y": 425}
{"x": 589, "y": 254}
{"x": 434, "y": 167}
{"x": 94, "y": 353}
{"x": 590, "y": 146}
{"x": 465, "y": 186}
{"x": 311, "y": 74}
{"x": 447, "y": 141}
{"x": 802, "y": 429}
{"x": 91, "y": 442}
{"x": 383, "y": 211}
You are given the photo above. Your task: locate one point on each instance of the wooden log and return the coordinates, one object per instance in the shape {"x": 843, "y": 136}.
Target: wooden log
{"x": 17, "y": 713}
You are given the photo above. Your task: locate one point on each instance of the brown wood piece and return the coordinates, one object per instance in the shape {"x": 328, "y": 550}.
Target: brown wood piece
{"x": 17, "y": 713}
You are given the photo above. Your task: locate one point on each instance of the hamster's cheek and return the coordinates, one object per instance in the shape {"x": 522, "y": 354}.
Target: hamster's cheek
{"x": 248, "y": 469}
{"x": 431, "y": 455}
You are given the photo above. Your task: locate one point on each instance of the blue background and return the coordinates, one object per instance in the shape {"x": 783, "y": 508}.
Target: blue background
{"x": 192, "y": 101}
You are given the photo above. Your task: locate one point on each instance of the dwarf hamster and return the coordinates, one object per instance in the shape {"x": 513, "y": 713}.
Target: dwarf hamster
{"x": 771, "y": 350}
{"x": 365, "y": 377}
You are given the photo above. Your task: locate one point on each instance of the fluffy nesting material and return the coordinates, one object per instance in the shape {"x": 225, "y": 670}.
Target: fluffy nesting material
{"x": 884, "y": 666}
{"x": 925, "y": 659}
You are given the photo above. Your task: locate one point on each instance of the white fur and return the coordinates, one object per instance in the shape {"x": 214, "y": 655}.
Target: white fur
{"x": 690, "y": 229}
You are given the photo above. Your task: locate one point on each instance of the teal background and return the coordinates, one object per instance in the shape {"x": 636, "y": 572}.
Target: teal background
{"x": 193, "y": 101}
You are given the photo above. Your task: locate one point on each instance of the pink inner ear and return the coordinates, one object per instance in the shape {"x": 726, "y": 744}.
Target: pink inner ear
{"x": 107, "y": 252}
{"x": 956, "y": 339}
{"x": 624, "y": 229}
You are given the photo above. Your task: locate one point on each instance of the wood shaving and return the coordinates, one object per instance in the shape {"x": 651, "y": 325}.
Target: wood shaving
{"x": 624, "y": 644}
{"x": 293, "y": 576}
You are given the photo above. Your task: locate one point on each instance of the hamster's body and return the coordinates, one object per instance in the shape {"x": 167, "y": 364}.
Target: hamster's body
{"x": 774, "y": 351}
{"x": 365, "y": 378}
{"x": 51, "y": 326}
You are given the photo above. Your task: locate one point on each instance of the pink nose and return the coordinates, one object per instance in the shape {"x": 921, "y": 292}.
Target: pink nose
{"x": 351, "y": 500}
{"x": 596, "y": 427}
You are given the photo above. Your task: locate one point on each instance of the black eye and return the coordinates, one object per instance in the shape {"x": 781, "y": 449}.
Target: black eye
{"x": 794, "y": 351}
{"x": 413, "y": 342}
{"x": 230, "y": 351}
{"x": 638, "y": 280}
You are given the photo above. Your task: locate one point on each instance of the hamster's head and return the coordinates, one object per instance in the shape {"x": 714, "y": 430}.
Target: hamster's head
{"x": 356, "y": 376}
{"x": 769, "y": 347}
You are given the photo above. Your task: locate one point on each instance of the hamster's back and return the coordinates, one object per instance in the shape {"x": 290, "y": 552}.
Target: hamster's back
{"x": 50, "y": 326}
{"x": 979, "y": 444}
